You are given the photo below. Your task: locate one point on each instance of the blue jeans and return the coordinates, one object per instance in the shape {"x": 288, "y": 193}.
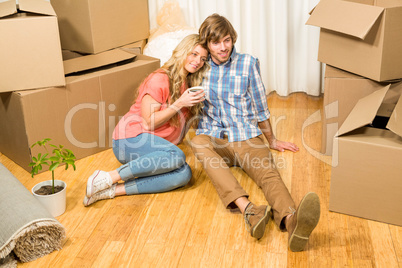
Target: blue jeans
{"x": 150, "y": 164}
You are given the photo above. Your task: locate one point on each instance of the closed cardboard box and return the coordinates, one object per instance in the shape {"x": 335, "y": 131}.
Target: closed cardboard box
{"x": 366, "y": 176}
{"x": 30, "y": 52}
{"x": 93, "y": 26}
{"x": 342, "y": 92}
{"x": 364, "y": 38}
{"x": 82, "y": 115}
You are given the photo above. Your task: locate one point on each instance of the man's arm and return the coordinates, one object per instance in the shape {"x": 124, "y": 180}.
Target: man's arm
{"x": 275, "y": 144}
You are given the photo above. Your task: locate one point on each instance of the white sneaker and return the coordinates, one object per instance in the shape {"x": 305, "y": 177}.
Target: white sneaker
{"x": 97, "y": 182}
{"x": 108, "y": 193}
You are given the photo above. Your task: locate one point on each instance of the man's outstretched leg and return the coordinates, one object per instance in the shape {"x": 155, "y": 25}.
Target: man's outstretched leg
{"x": 216, "y": 156}
{"x": 257, "y": 161}
{"x": 302, "y": 222}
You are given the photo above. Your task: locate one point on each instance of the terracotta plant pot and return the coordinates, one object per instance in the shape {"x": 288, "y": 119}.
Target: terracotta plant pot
{"x": 54, "y": 203}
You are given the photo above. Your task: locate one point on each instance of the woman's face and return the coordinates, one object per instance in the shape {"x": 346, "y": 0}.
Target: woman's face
{"x": 196, "y": 59}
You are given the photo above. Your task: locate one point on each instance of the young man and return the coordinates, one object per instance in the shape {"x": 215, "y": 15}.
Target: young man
{"x": 235, "y": 117}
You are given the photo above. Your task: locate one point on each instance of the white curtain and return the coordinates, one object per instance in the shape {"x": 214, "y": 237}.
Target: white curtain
{"x": 274, "y": 31}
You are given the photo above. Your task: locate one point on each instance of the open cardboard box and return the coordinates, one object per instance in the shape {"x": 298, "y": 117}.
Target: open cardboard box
{"x": 366, "y": 178}
{"x": 342, "y": 92}
{"x": 82, "y": 115}
{"x": 364, "y": 38}
{"x": 30, "y": 50}
{"x": 93, "y": 26}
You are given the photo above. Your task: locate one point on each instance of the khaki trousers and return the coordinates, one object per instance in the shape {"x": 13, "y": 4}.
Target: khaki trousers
{"x": 255, "y": 158}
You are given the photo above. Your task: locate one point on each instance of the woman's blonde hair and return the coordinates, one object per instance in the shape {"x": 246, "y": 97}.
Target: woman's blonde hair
{"x": 174, "y": 68}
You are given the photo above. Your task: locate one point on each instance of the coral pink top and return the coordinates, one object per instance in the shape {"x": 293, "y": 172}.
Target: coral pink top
{"x": 131, "y": 125}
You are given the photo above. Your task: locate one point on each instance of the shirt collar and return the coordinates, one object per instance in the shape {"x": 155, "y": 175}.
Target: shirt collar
{"x": 231, "y": 58}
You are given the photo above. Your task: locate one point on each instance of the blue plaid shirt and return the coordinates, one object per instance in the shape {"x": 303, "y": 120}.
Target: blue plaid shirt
{"x": 235, "y": 99}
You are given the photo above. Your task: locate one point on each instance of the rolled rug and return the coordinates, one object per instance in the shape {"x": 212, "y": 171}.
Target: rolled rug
{"x": 27, "y": 229}
{"x": 8, "y": 262}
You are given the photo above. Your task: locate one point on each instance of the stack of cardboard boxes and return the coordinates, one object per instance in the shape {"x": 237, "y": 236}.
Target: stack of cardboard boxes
{"x": 78, "y": 101}
{"x": 361, "y": 45}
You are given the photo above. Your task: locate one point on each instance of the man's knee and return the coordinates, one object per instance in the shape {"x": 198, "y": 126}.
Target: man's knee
{"x": 200, "y": 142}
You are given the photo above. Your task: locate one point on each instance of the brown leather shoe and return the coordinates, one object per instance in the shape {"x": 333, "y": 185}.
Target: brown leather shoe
{"x": 303, "y": 221}
{"x": 256, "y": 218}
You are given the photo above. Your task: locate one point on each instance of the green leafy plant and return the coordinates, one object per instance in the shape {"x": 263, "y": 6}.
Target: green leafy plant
{"x": 59, "y": 155}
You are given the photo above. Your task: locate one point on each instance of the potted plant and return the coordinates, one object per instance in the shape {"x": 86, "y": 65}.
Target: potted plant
{"x": 51, "y": 193}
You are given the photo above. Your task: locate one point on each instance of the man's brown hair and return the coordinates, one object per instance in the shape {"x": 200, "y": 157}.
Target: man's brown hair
{"x": 214, "y": 28}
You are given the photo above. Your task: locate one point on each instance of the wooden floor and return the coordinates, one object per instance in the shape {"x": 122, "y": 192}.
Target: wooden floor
{"x": 190, "y": 227}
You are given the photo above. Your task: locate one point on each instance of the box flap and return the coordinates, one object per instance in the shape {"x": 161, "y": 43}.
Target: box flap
{"x": 345, "y": 17}
{"x": 364, "y": 111}
{"x": 386, "y": 109}
{"x": 388, "y": 3}
{"x": 395, "y": 121}
{"x": 7, "y": 8}
{"x": 37, "y": 6}
{"x": 89, "y": 62}
{"x": 333, "y": 72}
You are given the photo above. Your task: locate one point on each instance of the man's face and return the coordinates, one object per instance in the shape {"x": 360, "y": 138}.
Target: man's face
{"x": 220, "y": 50}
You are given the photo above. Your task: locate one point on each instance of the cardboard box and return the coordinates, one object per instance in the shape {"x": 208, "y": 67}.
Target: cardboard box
{"x": 93, "y": 26}
{"x": 366, "y": 182}
{"x": 82, "y": 115}
{"x": 30, "y": 49}
{"x": 342, "y": 90}
{"x": 364, "y": 38}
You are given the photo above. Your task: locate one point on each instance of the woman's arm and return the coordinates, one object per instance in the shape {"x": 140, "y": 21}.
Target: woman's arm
{"x": 154, "y": 117}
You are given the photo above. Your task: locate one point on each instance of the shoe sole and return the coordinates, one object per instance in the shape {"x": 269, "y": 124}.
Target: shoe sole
{"x": 91, "y": 178}
{"x": 259, "y": 228}
{"x": 86, "y": 201}
{"x": 308, "y": 216}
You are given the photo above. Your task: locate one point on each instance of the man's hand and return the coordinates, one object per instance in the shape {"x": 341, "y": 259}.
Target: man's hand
{"x": 281, "y": 146}
{"x": 275, "y": 144}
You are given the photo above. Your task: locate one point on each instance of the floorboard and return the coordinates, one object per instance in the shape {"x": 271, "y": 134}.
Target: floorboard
{"x": 190, "y": 227}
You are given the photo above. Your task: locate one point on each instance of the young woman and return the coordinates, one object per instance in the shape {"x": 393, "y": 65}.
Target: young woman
{"x": 145, "y": 139}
